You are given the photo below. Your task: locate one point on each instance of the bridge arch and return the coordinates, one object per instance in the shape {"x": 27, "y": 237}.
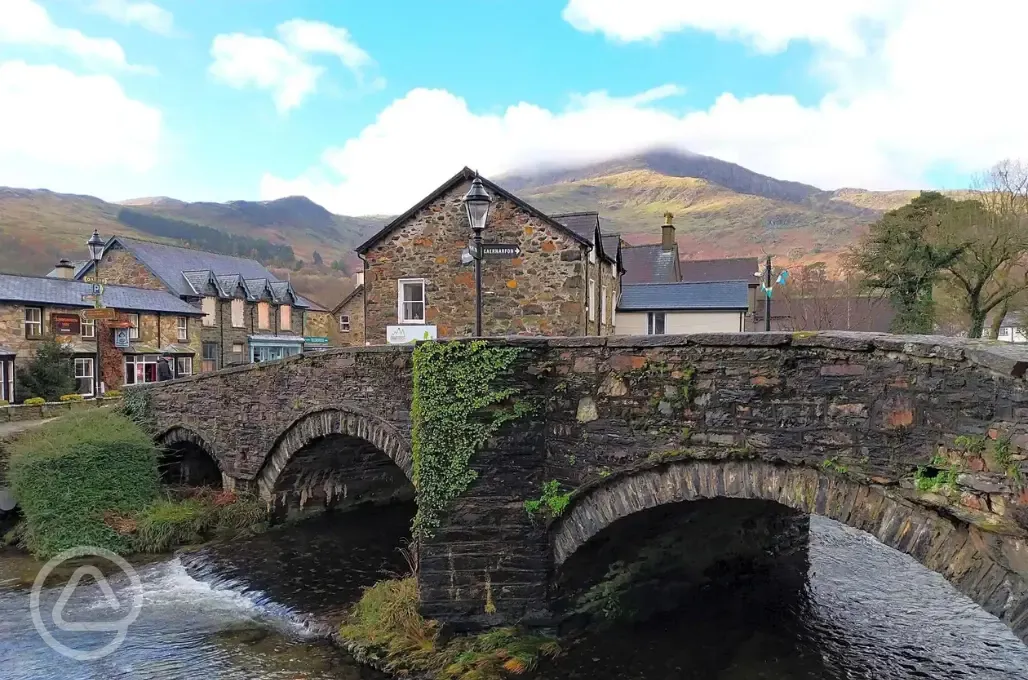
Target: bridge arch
{"x": 318, "y": 439}
{"x": 957, "y": 551}
{"x": 188, "y": 458}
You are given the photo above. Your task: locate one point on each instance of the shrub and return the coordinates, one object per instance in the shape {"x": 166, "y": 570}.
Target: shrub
{"x": 72, "y": 397}
{"x": 167, "y": 524}
{"x": 112, "y": 394}
{"x": 70, "y": 473}
{"x": 50, "y": 374}
{"x": 35, "y": 401}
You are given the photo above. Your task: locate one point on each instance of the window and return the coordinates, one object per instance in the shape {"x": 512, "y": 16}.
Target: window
{"x": 33, "y": 322}
{"x": 411, "y": 301}
{"x": 263, "y": 315}
{"x": 183, "y": 366}
{"x": 237, "y": 313}
{"x": 84, "y": 376}
{"x": 140, "y": 368}
{"x": 210, "y": 356}
{"x": 603, "y": 304}
{"x": 273, "y": 352}
{"x": 285, "y": 318}
{"x": 88, "y": 328}
{"x": 237, "y": 347}
{"x": 134, "y": 331}
{"x": 344, "y": 323}
{"x": 655, "y": 323}
{"x": 183, "y": 328}
{"x": 591, "y": 302}
{"x": 210, "y": 308}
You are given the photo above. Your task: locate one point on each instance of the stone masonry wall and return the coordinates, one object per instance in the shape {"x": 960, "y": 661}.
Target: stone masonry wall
{"x": 540, "y": 293}
{"x": 355, "y": 338}
{"x": 120, "y": 267}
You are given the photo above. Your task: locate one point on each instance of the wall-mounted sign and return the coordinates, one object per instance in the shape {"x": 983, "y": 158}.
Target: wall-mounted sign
{"x": 65, "y": 324}
{"x": 316, "y": 341}
{"x": 401, "y": 335}
{"x": 121, "y": 338}
{"x": 500, "y": 251}
{"x": 99, "y": 313}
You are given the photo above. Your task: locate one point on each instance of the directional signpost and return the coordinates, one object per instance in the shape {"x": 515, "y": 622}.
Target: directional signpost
{"x": 500, "y": 251}
{"x": 99, "y": 313}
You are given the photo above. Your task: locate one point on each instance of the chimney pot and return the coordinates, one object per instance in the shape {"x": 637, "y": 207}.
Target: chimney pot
{"x": 65, "y": 269}
{"x": 667, "y": 233}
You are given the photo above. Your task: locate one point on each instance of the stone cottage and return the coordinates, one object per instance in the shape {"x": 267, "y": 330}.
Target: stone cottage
{"x": 248, "y": 313}
{"x": 564, "y": 281}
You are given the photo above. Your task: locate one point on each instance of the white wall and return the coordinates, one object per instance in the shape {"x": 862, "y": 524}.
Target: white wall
{"x": 634, "y": 323}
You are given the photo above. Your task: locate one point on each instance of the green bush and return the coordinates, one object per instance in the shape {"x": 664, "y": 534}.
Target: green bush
{"x": 50, "y": 373}
{"x": 4, "y": 402}
{"x": 74, "y": 473}
{"x": 72, "y": 397}
{"x": 167, "y": 524}
{"x": 35, "y": 401}
{"x": 112, "y": 394}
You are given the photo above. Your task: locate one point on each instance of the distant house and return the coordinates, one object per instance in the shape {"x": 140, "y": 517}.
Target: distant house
{"x": 1013, "y": 328}
{"x": 249, "y": 314}
{"x": 348, "y": 317}
{"x": 695, "y": 307}
{"x": 656, "y": 263}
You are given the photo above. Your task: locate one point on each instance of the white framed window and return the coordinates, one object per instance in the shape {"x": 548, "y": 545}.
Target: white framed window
{"x": 33, "y": 322}
{"x": 344, "y": 323}
{"x": 410, "y": 301}
{"x": 134, "y": 331}
{"x": 210, "y": 309}
{"x": 238, "y": 306}
{"x": 182, "y": 325}
{"x": 591, "y": 304}
{"x": 183, "y": 366}
{"x": 603, "y": 304}
{"x": 263, "y": 315}
{"x": 655, "y": 323}
{"x": 140, "y": 368}
{"x": 237, "y": 347}
{"x": 84, "y": 376}
{"x": 87, "y": 328}
{"x": 210, "y": 356}
{"x": 285, "y": 318}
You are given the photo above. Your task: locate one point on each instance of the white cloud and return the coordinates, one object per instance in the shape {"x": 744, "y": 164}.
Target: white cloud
{"x": 916, "y": 86}
{"x": 282, "y": 66}
{"x": 26, "y": 23}
{"x": 84, "y": 123}
{"x": 144, "y": 14}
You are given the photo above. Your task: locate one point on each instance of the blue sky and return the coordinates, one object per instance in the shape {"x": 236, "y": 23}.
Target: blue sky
{"x": 366, "y": 106}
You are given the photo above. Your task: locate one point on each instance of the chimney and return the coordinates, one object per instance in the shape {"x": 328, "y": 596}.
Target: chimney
{"x": 667, "y": 233}
{"x": 65, "y": 269}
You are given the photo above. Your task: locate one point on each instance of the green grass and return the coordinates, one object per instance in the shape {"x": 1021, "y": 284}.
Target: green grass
{"x": 386, "y": 621}
{"x": 167, "y": 524}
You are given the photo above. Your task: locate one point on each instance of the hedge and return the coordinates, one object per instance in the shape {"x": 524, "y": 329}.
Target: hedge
{"x": 71, "y": 473}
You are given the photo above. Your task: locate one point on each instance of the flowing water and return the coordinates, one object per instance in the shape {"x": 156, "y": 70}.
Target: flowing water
{"x": 257, "y": 609}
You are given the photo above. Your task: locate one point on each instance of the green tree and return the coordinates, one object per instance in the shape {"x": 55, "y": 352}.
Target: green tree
{"x": 49, "y": 374}
{"x": 991, "y": 230}
{"x": 318, "y": 261}
{"x": 903, "y": 257}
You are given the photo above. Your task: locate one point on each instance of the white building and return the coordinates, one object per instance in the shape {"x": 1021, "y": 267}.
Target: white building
{"x": 672, "y": 308}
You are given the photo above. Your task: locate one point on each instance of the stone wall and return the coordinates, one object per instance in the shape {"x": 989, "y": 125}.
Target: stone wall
{"x": 540, "y": 293}
{"x": 354, "y": 308}
{"x": 120, "y": 267}
{"x": 12, "y": 328}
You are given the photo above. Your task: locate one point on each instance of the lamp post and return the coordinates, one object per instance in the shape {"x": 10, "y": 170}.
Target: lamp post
{"x": 477, "y": 202}
{"x": 96, "y": 251}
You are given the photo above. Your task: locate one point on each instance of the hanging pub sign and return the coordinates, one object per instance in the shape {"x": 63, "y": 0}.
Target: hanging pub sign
{"x": 121, "y": 338}
{"x": 66, "y": 324}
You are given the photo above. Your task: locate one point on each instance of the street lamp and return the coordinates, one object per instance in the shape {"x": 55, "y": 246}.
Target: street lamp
{"x": 477, "y": 202}
{"x": 96, "y": 251}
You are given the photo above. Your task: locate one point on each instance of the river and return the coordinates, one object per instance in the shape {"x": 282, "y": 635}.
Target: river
{"x": 255, "y": 609}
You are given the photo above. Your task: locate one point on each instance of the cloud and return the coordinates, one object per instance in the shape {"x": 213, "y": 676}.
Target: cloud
{"x": 144, "y": 14}
{"x": 26, "y": 23}
{"x": 282, "y": 66}
{"x": 63, "y": 120}
{"x": 917, "y": 87}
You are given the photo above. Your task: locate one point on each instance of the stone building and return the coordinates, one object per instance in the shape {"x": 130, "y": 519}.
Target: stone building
{"x": 348, "y": 329}
{"x": 683, "y": 307}
{"x": 148, "y": 323}
{"x": 563, "y": 282}
{"x": 248, "y": 313}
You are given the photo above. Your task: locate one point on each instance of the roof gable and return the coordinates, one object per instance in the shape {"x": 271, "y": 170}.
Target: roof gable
{"x": 353, "y": 293}
{"x": 466, "y": 175}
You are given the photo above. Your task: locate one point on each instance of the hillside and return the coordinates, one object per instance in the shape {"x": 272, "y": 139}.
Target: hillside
{"x": 721, "y": 209}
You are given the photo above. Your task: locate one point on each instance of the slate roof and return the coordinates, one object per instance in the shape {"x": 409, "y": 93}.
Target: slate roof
{"x": 587, "y": 225}
{"x": 170, "y": 263}
{"x": 649, "y": 264}
{"x": 66, "y": 293}
{"x": 728, "y": 269}
{"x": 684, "y": 296}
{"x": 465, "y": 175}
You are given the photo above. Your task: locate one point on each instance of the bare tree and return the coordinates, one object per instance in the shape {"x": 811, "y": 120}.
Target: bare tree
{"x": 818, "y": 299}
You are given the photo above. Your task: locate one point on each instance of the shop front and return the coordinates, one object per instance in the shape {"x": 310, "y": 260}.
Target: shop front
{"x": 271, "y": 347}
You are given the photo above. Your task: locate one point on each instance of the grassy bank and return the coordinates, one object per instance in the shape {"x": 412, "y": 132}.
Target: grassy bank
{"x": 385, "y": 627}
{"x": 91, "y": 479}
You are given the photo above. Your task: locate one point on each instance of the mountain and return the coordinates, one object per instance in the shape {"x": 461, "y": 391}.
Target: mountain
{"x": 721, "y": 209}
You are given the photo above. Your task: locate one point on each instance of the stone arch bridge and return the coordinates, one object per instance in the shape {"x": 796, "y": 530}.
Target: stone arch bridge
{"x": 920, "y": 441}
